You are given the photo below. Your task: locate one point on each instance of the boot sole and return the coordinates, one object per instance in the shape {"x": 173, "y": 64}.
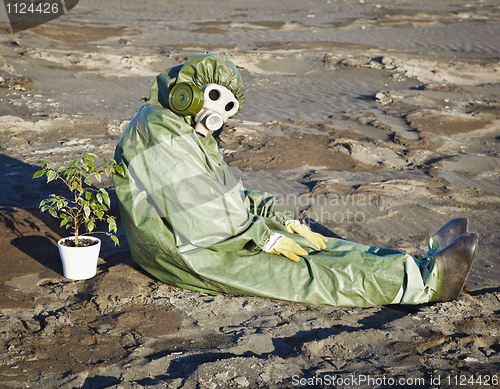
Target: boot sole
{"x": 453, "y": 265}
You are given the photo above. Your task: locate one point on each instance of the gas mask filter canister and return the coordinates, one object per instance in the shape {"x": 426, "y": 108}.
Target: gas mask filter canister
{"x": 185, "y": 99}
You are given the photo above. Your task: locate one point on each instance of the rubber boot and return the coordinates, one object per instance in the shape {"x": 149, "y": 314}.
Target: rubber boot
{"x": 452, "y": 266}
{"x": 451, "y": 230}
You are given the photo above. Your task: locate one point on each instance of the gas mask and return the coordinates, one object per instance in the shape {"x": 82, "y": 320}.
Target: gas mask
{"x": 211, "y": 105}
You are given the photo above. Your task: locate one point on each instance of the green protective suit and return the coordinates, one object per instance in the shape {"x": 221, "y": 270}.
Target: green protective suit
{"x": 190, "y": 223}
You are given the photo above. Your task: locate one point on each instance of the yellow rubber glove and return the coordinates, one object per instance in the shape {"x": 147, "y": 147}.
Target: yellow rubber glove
{"x": 303, "y": 230}
{"x": 281, "y": 245}
{"x": 289, "y": 249}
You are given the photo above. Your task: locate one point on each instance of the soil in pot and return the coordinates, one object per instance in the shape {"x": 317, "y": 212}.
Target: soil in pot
{"x": 82, "y": 242}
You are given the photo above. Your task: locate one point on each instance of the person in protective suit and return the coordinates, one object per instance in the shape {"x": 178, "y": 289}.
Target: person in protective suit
{"x": 190, "y": 223}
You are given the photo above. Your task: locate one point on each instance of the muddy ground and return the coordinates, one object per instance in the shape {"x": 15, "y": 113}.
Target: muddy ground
{"x": 378, "y": 121}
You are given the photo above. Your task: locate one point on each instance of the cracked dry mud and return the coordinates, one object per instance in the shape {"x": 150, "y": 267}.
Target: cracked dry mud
{"x": 378, "y": 121}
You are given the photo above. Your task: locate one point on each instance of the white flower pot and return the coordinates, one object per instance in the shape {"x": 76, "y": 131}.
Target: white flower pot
{"x": 79, "y": 263}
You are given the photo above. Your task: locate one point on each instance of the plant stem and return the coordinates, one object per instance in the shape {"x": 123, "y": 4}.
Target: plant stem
{"x": 76, "y": 221}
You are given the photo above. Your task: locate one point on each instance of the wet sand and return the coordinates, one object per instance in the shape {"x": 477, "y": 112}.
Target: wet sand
{"x": 376, "y": 121}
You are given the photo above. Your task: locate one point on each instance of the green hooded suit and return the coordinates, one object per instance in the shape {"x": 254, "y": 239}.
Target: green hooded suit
{"x": 190, "y": 223}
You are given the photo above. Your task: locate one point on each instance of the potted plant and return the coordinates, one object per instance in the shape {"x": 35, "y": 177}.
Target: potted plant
{"x": 87, "y": 205}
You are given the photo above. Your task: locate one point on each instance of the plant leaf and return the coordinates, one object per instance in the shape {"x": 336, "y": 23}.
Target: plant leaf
{"x": 90, "y": 225}
{"x": 88, "y": 195}
{"x": 98, "y": 176}
{"x": 53, "y": 212}
{"x": 73, "y": 186}
{"x": 120, "y": 170}
{"x": 101, "y": 207}
{"x": 51, "y": 174}
{"x": 86, "y": 210}
{"x": 111, "y": 224}
{"x": 115, "y": 239}
{"x": 38, "y": 174}
{"x": 105, "y": 196}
